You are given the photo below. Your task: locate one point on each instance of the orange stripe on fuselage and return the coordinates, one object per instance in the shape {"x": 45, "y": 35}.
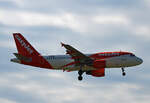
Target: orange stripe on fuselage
{"x": 104, "y": 55}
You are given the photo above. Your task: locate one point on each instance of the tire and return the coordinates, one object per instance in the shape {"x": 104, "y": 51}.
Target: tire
{"x": 123, "y": 73}
{"x": 80, "y": 78}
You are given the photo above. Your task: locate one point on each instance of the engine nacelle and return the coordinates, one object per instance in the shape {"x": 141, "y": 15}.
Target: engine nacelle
{"x": 99, "y": 64}
{"x": 97, "y": 73}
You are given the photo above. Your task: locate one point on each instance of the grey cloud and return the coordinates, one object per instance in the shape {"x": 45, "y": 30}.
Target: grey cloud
{"x": 95, "y": 88}
{"x": 19, "y": 96}
{"x": 8, "y": 4}
{"x": 77, "y": 6}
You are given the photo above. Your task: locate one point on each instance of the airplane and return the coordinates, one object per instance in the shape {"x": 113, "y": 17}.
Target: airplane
{"x": 74, "y": 60}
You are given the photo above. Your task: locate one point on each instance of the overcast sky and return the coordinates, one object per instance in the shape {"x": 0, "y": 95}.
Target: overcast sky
{"x": 90, "y": 26}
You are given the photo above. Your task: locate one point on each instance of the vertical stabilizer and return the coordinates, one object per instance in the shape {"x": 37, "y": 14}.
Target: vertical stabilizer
{"x": 27, "y": 54}
{"x": 23, "y": 46}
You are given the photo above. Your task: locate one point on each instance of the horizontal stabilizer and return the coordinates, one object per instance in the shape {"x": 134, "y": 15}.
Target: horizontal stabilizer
{"x": 23, "y": 58}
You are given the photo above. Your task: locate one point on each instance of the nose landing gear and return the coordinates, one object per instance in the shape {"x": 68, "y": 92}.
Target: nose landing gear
{"x": 123, "y": 72}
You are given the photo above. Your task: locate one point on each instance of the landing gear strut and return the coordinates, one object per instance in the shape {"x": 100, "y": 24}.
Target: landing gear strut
{"x": 80, "y": 72}
{"x": 123, "y": 72}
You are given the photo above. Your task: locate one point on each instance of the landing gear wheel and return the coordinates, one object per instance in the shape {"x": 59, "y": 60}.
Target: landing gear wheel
{"x": 80, "y": 72}
{"x": 80, "y": 78}
{"x": 123, "y": 73}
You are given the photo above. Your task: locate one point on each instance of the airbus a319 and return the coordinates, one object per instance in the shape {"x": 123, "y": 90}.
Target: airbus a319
{"x": 74, "y": 60}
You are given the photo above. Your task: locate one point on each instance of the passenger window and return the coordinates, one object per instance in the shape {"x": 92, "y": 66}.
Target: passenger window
{"x": 132, "y": 55}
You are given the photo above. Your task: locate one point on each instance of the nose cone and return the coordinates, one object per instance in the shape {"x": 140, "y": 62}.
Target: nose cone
{"x": 139, "y": 60}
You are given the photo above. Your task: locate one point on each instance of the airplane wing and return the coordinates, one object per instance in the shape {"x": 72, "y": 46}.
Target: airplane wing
{"x": 79, "y": 57}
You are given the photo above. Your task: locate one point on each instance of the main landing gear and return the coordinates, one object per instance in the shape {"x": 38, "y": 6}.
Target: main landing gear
{"x": 123, "y": 72}
{"x": 80, "y": 72}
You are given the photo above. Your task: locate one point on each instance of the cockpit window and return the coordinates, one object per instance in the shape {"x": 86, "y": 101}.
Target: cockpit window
{"x": 132, "y": 55}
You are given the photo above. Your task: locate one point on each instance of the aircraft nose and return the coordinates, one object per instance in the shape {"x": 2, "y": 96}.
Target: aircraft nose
{"x": 139, "y": 60}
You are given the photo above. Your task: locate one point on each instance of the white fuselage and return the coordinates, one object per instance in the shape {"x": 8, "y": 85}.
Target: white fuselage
{"x": 58, "y": 61}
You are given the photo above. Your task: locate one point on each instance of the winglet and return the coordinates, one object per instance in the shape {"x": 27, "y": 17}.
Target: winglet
{"x": 62, "y": 44}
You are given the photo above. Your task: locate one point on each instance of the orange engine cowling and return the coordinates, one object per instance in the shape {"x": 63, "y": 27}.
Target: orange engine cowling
{"x": 99, "y": 64}
{"x": 97, "y": 73}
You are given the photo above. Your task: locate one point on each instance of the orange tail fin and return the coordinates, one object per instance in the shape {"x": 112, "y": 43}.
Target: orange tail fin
{"x": 25, "y": 50}
{"x": 23, "y": 46}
